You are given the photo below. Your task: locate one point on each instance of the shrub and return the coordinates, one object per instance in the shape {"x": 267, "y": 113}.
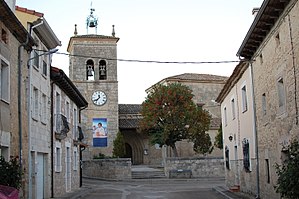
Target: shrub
{"x": 288, "y": 173}
{"x": 10, "y": 172}
{"x": 119, "y": 149}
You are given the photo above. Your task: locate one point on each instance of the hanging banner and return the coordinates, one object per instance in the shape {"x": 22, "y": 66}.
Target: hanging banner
{"x": 99, "y": 132}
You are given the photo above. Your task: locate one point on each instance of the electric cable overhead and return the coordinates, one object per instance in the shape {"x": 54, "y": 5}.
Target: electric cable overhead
{"x": 152, "y": 61}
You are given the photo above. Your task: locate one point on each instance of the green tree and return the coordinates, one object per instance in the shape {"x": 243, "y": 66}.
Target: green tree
{"x": 119, "y": 149}
{"x": 10, "y": 172}
{"x": 170, "y": 115}
{"x": 219, "y": 139}
{"x": 288, "y": 173}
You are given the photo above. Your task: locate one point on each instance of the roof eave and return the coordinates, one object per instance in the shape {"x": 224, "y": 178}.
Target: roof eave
{"x": 46, "y": 34}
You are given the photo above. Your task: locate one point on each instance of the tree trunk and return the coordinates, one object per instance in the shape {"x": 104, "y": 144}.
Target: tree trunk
{"x": 175, "y": 152}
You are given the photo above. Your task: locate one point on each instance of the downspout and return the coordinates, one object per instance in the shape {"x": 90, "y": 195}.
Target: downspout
{"x": 29, "y": 119}
{"x": 81, "y": 149}
{"x": 20, "y": 100}
{"x": 255, "y": 135}
{"x": 52, "y": 141}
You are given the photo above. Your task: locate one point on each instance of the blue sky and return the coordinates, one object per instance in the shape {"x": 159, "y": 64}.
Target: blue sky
{"x": 162, "y": 30}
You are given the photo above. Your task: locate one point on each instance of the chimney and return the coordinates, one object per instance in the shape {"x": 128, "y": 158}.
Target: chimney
{"x": 255, "y": 11}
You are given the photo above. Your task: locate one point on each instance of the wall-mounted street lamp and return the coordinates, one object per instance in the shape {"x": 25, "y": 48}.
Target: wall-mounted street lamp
{"x": 51, "y": 51}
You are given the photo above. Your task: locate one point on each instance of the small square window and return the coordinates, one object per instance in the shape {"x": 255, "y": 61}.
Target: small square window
{"x": 4, "y": 36}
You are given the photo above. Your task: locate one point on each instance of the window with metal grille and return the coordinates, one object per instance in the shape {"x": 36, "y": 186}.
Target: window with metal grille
{"x": 227, "y": 157}
{"x": 246, "y": 155}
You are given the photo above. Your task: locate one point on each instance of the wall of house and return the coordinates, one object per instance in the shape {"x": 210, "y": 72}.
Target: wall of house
{"x": 277, "y": 60}
{"x": 66, "y": 149}
{"x": 239, "y": 126}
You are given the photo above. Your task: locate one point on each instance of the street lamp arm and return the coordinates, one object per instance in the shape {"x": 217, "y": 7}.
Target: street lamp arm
{"x": 51, "y": 51}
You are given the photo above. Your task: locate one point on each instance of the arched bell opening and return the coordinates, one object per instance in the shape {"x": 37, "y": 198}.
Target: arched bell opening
{"x": 89, "y": 70}
{"x": 102, "y": 70}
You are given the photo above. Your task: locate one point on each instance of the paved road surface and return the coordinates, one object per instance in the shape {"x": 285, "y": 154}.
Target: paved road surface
{"x": 154, "y": 189}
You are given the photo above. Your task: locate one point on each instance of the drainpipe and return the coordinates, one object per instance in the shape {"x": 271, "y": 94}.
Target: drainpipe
{"x": 81, "y": 149}
{"x": 255, "y": 135}
{"x": 52, "y": 141}
{"x": 20, "y": 100}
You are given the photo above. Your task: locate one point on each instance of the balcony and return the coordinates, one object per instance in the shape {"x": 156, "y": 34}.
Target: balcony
{"x": 61, "y": 127}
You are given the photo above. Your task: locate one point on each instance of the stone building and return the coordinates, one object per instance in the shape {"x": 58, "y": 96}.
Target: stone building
{"x": 66, "y": 105}
{"x": 205, "y": 89}
{"x": 13, "y": 35}
{"x": 94, "y": 72}
{"x": 270, "y": 50}
{"x": 38, "y": 97}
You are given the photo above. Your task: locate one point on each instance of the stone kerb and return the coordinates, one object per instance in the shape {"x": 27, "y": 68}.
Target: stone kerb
{"x": 111, "y": 169}
{"x": 194, "y": 167}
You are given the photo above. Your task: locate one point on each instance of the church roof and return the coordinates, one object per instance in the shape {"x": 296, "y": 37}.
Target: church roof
{"x": 197, "y": 77}
{"x": 129, "y": 117}
{"x": 129, "y": 108}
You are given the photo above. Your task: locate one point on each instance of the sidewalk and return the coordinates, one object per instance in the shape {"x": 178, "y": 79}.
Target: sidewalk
{"x": 78, "y": 193}
{"x": 232, "y": 195}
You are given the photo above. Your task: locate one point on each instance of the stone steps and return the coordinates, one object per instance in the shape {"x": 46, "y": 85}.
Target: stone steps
{"x": 148, "y": 174}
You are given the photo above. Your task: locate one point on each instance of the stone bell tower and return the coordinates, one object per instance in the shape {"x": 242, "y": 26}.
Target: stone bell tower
{"x": 93, "y": 69}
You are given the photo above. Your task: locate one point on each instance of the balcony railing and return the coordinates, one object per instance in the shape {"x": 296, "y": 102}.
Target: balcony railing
{"x": 61, "y": 126}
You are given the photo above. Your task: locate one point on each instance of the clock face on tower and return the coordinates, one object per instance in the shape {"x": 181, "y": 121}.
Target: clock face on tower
{"x": 99, "y": 98}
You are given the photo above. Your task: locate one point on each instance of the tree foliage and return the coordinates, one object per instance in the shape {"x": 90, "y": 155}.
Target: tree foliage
{"x": 170, "y": 115}
{"x": 10, "y": 172}
{"x": 119, "y": 149}
{"x": 219, "y": 139}
{"x": 288, "y": 173}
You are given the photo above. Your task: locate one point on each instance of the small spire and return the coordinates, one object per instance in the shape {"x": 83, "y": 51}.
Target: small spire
{"x": 113, "y": 31}
{"x": 75, "y": 32}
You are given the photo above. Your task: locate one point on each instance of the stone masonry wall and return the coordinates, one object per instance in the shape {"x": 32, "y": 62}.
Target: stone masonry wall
{"x": 199, "y": 167}
{"x": 115, "y": 169}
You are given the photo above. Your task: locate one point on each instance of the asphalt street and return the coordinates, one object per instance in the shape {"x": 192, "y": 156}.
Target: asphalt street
{"x": 154, "y": 189}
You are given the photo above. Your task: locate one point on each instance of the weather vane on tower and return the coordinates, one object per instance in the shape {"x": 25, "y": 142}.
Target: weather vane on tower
{"x": 91, "y": 21}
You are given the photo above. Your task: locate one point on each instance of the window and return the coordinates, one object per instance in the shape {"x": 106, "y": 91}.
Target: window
{"x": 281, "y": 95}
{"x": 36, "y": 59}
{"x": 89, "y": 70}
{"x": 76, "y": 159}
{"x": 267, "y": 170}
{"x": 58, "y": 167}
{"x": 233, "y": 109}
{"x": 244, "y": 99}
{"x": 264, "y": 105}
{"x": 75, "y": 124}
{"x": 246, "y": 157}
{"x": 5, "y": 83}
{"x": 45, "y": 68}
{"x": 4, "y": 36}
{"x": 67, "y": 110}
{"x": 227, "y": 157}
{"x": 225, "y": 116}
{"x": 35, "y": 102}
{"x": 4, "y": 152}
{"x": 44, "y": 109}
{"x": 102, "y": 70}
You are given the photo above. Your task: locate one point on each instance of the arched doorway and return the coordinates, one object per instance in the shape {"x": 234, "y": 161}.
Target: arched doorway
{"x": 129, "y": 153}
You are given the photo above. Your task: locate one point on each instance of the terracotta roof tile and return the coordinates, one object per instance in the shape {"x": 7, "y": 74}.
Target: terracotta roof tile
{"x": 32, "y": 12}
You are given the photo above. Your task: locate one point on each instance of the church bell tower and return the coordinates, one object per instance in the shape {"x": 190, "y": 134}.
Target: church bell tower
{"x": 93, "y": 69}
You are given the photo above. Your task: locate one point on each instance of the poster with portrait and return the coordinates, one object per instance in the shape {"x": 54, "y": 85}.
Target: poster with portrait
{"x": 99, "y": 132}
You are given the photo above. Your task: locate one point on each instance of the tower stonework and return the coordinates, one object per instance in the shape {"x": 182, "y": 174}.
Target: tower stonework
{"x": 93, "y": 69}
